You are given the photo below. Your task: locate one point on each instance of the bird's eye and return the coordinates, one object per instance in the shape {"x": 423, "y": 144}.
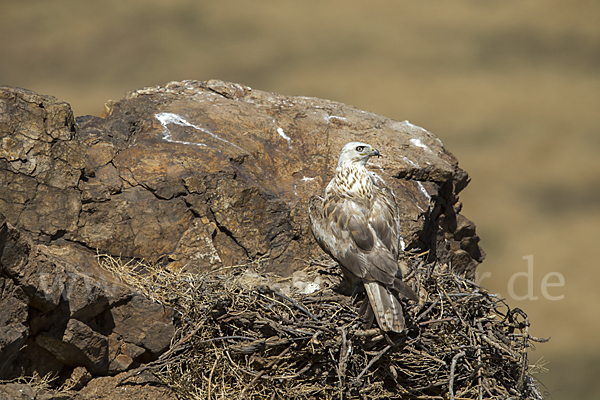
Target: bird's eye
{"x": 360, "y": 148}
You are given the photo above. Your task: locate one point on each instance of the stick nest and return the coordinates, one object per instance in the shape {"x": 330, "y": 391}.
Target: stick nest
{"x": 249, "y": 336}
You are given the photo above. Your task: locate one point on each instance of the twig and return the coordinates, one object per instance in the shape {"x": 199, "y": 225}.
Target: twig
{"x": 473, "y": 294}
{"x": 453, "y": 306}
{"x": 377, "y": 357}
{"x": 345, "y": 350}
{"x": 177, "y": 345}
{"x": 521, "y": 380}
{"x": 452, "y": 368}
{"x": 250, "y": 341}
{"x": 225, "y": 338}
{"x": 431, "y": 321}
{"x": 460, "y": 278}
{"x": 317, "y": 327}
{"x": 298, "y": 306}
{"x": 487, "y": 390}
{"x": 272, "y": 377}
{"x": 367, "y": 332}
{"x": 438, "y": 398}
{"x": 428, "y": 310}
{"x": 321, "y": 264}
{"x": 500, "y": 347}
{"x": 276, "y": 301}
{"x": 162, "y": 359}
{"x": 479, "y": 366}
{"x": 211, "y": 375}
{"x": 425, "y": 354}
{"x": 532, "y": 338}
{"x": 339, "y": 374}
{"x": 409, "y": 275}
{"x": 269, "y": 365}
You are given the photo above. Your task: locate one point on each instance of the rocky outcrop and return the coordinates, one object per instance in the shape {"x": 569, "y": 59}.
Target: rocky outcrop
{"x": 62, "y": 311}
{"x": 212, "y": 173}
{"x": 197, "y": 175}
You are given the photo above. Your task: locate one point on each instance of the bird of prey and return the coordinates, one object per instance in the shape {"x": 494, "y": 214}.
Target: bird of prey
{"x": 357, "y": 223}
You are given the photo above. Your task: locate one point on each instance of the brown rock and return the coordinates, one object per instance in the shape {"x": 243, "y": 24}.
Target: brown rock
{"x": 20, "y": 189}
{"x": 144, "y": 323}
{"x": 33, "y": 132}
{"x": 33, "y": 116}
{"x": 17, "y": 391}
{"x": 78, "y": 378}
{"x": 120, "y": 363}
{"x": 31, "y": 360}
{"x": 92, "y": 344}
{"x": 101, "y": 153}
{"x": 15, "y": 249}
{"x": 13, "y": 323}
{"x": 105, "y": 183}
{"x": 211, "y": 173}
{"x": 14, "y": 303}
{"x": 80, "y": 345}
{"x": 201, "y": 174}
{"x": 53, "y": 210}
{"x": 142, "y": 387}
{"x": 121, "y": 354}
{"x": 142, "y": 223}
{"x": 59, "y": 295}
{"x": 262, "y": 156}
{"x": 67, "y": 354}
{"x": 12, "y": 337}
{"x": 62, "y": 272}
{"x": 131, "y": 350}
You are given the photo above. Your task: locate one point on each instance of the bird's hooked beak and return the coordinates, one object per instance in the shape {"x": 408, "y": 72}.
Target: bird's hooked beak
{"x": 374, "y": 152}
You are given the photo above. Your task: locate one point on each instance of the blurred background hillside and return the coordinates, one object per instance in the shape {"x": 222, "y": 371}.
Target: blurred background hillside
{"x": 512, "y": 88}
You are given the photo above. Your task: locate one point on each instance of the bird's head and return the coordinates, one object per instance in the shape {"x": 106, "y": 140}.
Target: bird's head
{"x": 357, "y": 153}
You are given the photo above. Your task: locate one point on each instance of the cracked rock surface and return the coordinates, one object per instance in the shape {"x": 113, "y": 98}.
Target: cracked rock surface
{"x": 199, "y": 175}
{"x": 212, "y": 173}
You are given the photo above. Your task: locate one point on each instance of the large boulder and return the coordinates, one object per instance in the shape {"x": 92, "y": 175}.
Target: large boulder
{"x": 195, "y": 175}
{"x": 206, "y": 174}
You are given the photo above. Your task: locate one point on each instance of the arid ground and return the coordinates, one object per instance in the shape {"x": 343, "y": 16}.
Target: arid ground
{"x": 512, "y": 88}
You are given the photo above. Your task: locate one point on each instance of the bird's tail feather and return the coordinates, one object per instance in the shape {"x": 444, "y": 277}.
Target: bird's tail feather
{"x": 386, "y": 307}
{"x": 405, "y": 290}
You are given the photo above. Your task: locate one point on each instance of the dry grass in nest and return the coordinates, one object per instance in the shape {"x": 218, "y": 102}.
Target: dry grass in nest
{"x": 240, "y": 336}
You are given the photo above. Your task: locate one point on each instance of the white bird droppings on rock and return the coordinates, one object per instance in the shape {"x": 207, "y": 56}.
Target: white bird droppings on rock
{"x": 171, "y": 118}
{"x": 286, "y": 137}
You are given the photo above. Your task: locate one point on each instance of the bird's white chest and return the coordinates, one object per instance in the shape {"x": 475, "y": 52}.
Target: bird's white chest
{"x": 352, "y": 182}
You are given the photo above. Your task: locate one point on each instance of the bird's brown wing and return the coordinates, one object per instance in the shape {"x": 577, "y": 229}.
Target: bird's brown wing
{"x": 384, "y": 218}
{"x": 341, "y": 229}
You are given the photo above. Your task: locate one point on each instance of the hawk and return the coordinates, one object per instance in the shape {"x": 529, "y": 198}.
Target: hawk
{"x": 357, "y": 223}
